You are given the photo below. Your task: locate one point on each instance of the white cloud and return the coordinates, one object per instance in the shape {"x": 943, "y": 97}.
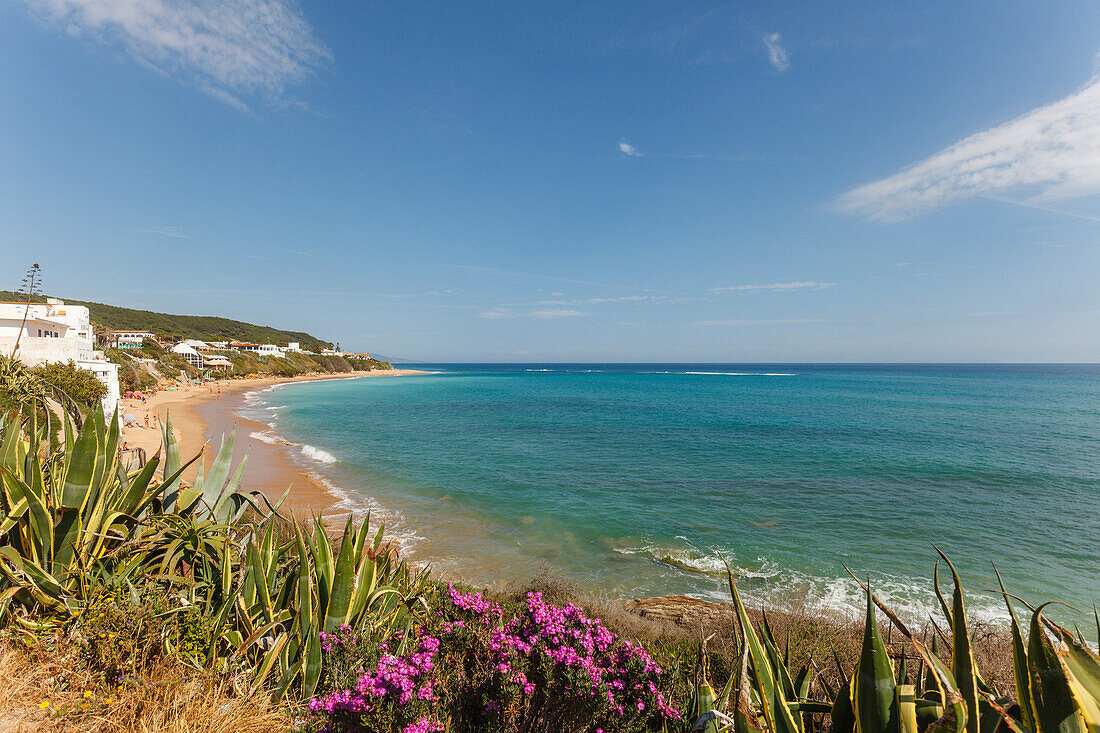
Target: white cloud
{"x": 761, "y": 322}
{"x": 1049, "y": 154}
{"x": 774, "y": 287}
{"x": 556, "y": 313}
{"x": 227, "y": 48}
{"x": 629, "y": 149}
{"x": 777, "y": 55}
{"x": 542, "y": 315}
{"x": 174, "y": 232}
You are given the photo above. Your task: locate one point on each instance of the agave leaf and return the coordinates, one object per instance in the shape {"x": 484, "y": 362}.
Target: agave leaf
{"x": 1020, "y": 669}
{"x": 744, "y": 716}
{"x": 1053, "y": 700}
{"x": 874, "y": 701}
{"x": 270, "y": 658}
{"x": 907, "y": 708}
{"x": 953, "y": 719}
{"x": 777, "y": 716}
{"x": 962, "y": 655}
{"x": 321, "y": 550}
{"x": 1083, "y": 667}
{"x": 339, "y": 601}
{"x": 11, "y": 448}
{"x": 171, "y": 449}
{"x": 81, "y": 468}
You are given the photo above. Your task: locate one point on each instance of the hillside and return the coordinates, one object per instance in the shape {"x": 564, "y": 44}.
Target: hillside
{"x": 204, "y": 328}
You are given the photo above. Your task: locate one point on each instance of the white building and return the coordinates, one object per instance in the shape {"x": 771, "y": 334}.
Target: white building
{"x": 261, "y": 349}
{"x": 130, "y": 339}
{"x": 196, "y": 354}
{"x": 189, "y": 354}
{"x": 294, "y": 346}
{"x": 55, "y": 332}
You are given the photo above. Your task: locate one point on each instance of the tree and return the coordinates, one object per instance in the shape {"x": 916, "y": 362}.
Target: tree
{"x": 80, "y": 384}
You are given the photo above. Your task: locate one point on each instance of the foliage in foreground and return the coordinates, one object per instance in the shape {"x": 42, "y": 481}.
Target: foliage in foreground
{"x": 476, "y": 667}
{"x": 1057, "y": 681}
{"x": 75, "y": 527}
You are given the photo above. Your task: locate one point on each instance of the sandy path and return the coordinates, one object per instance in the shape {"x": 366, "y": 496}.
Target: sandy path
{"x": 201, "y": 414}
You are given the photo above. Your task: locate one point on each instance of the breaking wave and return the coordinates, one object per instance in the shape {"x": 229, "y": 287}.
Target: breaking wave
{"x": 317, "y": 454}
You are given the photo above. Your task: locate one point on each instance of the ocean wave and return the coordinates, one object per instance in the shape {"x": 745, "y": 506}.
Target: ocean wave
{"x": 735, "y": 374}
{"x": 361, "y": 505}
{"x": 767, "y": 583}
{"x": 266, "y": 436}
{"x": 317, "y": 454}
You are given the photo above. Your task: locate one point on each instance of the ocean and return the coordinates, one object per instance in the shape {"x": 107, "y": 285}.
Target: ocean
{"x": 637, "y": 479}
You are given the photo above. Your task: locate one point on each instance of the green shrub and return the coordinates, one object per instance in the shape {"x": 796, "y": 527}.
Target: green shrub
{"x": 80, "y": 384}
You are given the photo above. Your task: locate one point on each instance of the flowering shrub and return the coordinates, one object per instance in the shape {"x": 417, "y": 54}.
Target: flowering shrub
{"x": 544, "y": 668}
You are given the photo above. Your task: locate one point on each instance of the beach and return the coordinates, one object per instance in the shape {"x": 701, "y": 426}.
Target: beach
{"x": 202, "y": 414}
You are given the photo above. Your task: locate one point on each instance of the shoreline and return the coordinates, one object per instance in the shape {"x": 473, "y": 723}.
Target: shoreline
{"x": 202, "y": 414}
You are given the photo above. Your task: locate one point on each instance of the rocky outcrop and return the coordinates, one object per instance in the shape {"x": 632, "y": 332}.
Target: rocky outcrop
{"x": 686, "y": 612}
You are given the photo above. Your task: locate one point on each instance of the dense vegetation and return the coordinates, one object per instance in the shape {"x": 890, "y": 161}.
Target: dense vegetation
{"x": 135, "y": 374}
{"x": 203, "y": 328}
{"x": 80, "y": 384}
{"x": 123, "y": 573}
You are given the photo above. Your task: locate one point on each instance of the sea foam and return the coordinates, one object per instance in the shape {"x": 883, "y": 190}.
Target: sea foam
{"x": 317, "y": 454}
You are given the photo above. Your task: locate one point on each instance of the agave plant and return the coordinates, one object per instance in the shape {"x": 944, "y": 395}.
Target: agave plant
{"x": 67, "y": 513}
{"x": 1057, "y": 682}
{"x": 291, "y": 593}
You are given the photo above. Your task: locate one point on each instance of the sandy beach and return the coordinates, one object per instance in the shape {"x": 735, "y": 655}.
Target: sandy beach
{"x": 201, "y": 414}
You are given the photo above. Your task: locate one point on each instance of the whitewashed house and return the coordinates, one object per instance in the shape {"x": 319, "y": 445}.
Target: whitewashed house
{"x": 55, "y": 332}
{"x": 130, "y": 339}
{"x": 189, "y": 353}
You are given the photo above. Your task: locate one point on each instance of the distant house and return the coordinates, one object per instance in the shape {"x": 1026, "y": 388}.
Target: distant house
{"x": 189, "y": 354}
{"x": 244, "y": 346}
{"x": 261, "y": 349}
{"x": 129, "y": 339}
{"x": 56, "y": 332}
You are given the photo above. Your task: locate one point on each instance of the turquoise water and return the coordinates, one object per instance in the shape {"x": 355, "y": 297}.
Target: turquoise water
{"x": 630, "y": 479}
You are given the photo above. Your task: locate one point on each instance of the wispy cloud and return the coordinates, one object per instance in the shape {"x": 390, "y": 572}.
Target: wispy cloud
{"x": 298, "y": 252}
{"x": 174, "y": 232}
{"x": 226, "y": 49}
{"x": 602, "y": 301}
{"x": 777, "y": 287}
{"x": 520, "y": 275}
{"x": 429, "y": 294}
{"x": 556, "y": 313}
{"x": 761, "y": 322}
{"x": 1049, "y": 154}
{"x": 625, "y": 147}
{"x": 542, "y": 315}
{"x": 777, "y": 55}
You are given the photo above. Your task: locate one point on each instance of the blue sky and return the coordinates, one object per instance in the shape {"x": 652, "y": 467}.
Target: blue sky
{"x": 644, "y": 181}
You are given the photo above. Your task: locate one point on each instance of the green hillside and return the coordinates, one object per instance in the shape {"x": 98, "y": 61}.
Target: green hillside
{"x": 204, "y": 328}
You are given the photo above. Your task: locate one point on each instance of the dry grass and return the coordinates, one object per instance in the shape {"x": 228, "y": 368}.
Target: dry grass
{"x": 165, "y": 699}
